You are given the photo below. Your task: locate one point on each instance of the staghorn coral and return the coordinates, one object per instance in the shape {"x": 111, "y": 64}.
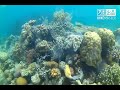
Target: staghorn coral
{"x": 110, "y": 75}
{"x": 90, "y": 50}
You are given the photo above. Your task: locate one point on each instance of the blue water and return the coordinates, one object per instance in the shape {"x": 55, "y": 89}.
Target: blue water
{"x": 12, "y": 17}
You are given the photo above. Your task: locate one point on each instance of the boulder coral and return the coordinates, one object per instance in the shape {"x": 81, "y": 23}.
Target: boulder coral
{"x": 90, "y": 50}
{"x": 21, "y": 81}
{"x": 108, "y": 41}
{"x": 107, "y": 37}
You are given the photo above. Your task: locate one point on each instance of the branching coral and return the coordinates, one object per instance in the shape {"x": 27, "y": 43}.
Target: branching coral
{"x": 31, "y": 56}
{"x": 73, "y": 42}
{"x": 10, "y": 41}
{"x": 90, "y": 50}
{"x": 115, "y": 54}
{"x": 110, "y": 75}
{"x": 61, "y": 23}
{"x": 27, "y": 37}
{"x": 17, "y": 53}
{"x": 35, "y": 79}
{"x": 42, "y": 47}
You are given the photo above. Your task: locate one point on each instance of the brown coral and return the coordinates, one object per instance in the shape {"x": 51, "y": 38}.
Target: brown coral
{"x": 31, "y": 55}
{"x": 51, "y": 64}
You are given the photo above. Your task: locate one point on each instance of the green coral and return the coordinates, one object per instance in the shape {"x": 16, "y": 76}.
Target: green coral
{"x": 110, "y": 75}
{"x": 90, "y": 50}
{"x": 3, "y": 56}
{"x": 3, "y": 80}
{"x": 107, "y": 37}
{"x": 115, "y": 54}
{"x": 108, "y": 41}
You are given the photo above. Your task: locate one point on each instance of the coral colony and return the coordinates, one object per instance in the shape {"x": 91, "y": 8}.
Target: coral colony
{"x": 58, "y": 52}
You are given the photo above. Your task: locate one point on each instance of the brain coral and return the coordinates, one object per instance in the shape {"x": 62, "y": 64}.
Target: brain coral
{"x": 90, "y": 50}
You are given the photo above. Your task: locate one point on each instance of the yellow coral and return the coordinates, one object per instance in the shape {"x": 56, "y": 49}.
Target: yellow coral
{"x": 21, "y": 81}
{"x": 67, "y": 71}
{"x": 55, "y": 72}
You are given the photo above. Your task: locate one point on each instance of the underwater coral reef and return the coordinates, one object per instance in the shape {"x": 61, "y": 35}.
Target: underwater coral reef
{"x": 58, "y": 52}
